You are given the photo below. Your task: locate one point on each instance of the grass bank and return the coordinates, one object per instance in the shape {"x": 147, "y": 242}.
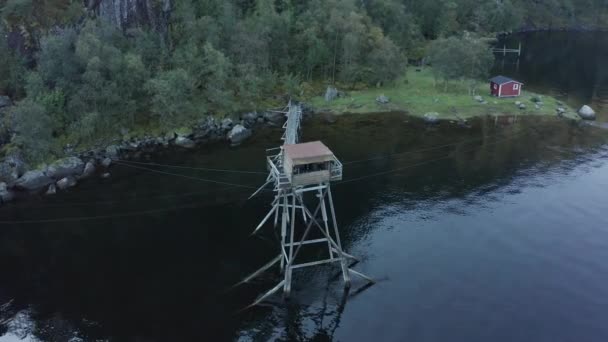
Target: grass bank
{"x": 417, "y": 94}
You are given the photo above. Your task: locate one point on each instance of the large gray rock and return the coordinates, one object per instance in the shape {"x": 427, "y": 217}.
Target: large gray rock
{"x": 382, "y": 99}
{"x": 5, "y": 101}
{"x": 238, "y": 134}
{"x": 478, "y": 98}
{"x": 33, "y": 180}
{"x": 522, "y": 106}
{"x": 89, "y": 169}
{"x": 431, "y": 117}
{"x": 184, "y": 142}
{"x": 52, "y": 190}
{"x": 61, "y": 168}
{"x": 227, "y": 124}
{"x": 5, "y": 194}
{"x": 106, "y": 162}
{"x": 249, "y": 119}
{"x": 66, "y": 182}
{"x": 126, "y": 14}
{"x": 331, "y": 93}
{"x": 586, "y": 113}
{"x": 112, "y": 151}
{"x": 276, "y": 118}
{"x": 11, "y": 168}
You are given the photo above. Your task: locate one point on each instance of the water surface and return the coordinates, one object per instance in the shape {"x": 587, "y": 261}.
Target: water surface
{"x": 500, "y": 234}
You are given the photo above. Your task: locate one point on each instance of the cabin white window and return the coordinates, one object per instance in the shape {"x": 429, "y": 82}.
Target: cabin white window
{"x": 516, "y": 86}
{"x": 495, "y": 86}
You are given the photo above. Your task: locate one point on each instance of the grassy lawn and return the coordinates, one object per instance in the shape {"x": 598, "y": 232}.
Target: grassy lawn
{"x": 417, "y": 94}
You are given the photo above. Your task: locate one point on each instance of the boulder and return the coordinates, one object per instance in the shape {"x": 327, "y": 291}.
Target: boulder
{"x": 478, "y": 98}
{"x": 331, "y": 93}
{"x": 382, "y": 99}
{"x": 517, "y": 103}
{"x": 5, "y": 194}
{"x": 33, "y": 180}
{"x": 275, "y": 118}
{"x": 249, "y": 119}
{"x": 227, "y": 124}
{"x": 184, "y": 142}
{"x": 11, "y": 168}
{"x": 5, "y": 101}
{"x": 106, "y": 162}
{"x": 51, "y": 190}
{"x": 561, "y": 110}
{"x": 586, "y": 113}
{"x": 105, "y": 175}
{"x": 238, "y": 134}
{"x": 89, "y": 169}
{"x": 112, "y": 151}
{"x": 431, "y": 117}
{"x": 205, "y": 128}
{"x": 61, "y": 168}
{"x": 66, "y": 182}
{"x": 522, "y": 106}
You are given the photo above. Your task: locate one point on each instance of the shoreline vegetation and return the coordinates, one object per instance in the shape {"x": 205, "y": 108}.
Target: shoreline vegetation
{"x": 418, "y": 93}
{"x": 112, "y": 78}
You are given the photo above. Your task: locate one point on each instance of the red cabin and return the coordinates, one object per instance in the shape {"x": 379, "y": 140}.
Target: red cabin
{"x": 502, "y": 86}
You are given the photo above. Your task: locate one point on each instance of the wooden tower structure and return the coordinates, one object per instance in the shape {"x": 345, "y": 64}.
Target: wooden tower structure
{"x": 302, "y": 173}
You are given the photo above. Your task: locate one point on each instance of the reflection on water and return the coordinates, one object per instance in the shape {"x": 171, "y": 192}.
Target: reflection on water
{"x": 568, "y": 65}
{"x": 493, "y": 232}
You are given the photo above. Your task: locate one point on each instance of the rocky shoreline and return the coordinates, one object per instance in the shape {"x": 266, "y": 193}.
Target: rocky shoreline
{"x": 18, "y": 180}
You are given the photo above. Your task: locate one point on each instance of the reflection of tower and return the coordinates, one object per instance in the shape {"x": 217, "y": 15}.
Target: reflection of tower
{"x": 316, "y": 321}
{"x": 504, "y": 51}
{"x": 298, "y": 170}
{"x": 599, "y": 96}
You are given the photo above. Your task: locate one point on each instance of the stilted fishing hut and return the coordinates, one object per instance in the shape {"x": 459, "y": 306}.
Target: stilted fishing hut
{"x": 297, "y": 169}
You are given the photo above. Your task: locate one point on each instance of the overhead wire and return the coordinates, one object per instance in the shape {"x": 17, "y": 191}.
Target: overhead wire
{"x": 187, "y": 177}
{"x": 230, "y": 185}
{"x": 448, "y": 156}
{"x": 98, "y": 217}
{"x": 143, "y": 197}
{"x": 191, "y": 167}
{"x": 391, "y": 155}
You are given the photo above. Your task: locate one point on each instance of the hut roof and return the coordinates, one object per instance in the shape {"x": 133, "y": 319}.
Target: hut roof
{"x": 311, "y": 151}
{"x": 502, "y": 80}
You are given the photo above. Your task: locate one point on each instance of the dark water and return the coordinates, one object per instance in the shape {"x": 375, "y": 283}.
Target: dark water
{"x": 500, "y": 236}
{"x": 571, "y": 66}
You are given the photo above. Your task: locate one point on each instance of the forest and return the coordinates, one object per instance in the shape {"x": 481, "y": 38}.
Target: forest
{"x": 80, "y": 70}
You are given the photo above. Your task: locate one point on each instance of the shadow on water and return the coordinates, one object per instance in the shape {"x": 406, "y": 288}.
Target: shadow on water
{"x": 164, "y": 275}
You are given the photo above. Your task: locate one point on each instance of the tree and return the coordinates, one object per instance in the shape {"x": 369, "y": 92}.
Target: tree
{"x": 34, "y": 130}
{"x": 497, "y": 16}
{"x": 11, "y": 69}
{"x": 172, "y": 95}
{"x": 464, "y": 58}
{"x": 386, "y": 61}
